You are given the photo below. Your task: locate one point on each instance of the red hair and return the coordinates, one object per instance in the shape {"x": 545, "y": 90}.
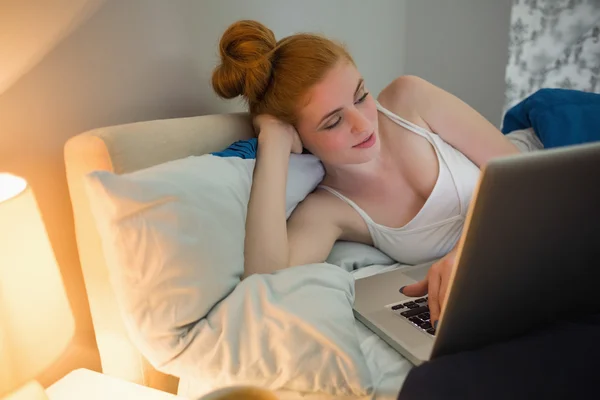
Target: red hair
{"x": 272, "y": 76}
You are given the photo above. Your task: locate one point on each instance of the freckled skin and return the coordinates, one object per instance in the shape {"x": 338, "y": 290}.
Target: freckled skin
{"x": 357, "y": 119}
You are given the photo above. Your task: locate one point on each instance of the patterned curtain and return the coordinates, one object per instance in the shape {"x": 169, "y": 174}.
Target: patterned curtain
{"x": 553, "y": 43}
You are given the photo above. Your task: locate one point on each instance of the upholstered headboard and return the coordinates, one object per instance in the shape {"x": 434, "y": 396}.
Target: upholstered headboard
{"x": 122, "y": 149}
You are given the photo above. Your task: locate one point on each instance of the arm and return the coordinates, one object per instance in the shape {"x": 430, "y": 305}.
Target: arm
{"x": 266, "y": 245}
{"x": 313, "y": 228}
{"x": 452, "y": 119}
{"x": 271, "y": 242}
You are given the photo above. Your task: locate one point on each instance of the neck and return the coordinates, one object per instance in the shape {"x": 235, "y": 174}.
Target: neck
{"x": 348, "y": 178}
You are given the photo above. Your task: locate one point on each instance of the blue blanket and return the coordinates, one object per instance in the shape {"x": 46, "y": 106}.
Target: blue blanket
{"x": 560, "y": 117}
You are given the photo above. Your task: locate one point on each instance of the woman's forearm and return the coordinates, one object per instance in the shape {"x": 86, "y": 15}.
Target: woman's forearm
{"x": 266, "y": 242}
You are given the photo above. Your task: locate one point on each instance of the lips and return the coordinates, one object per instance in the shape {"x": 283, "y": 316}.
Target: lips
{"x": 368, "y": 142}
{"x": 368, "y": 137}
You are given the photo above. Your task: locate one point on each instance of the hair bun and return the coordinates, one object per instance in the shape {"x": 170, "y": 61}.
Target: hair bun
{"x": 246, "y": 51}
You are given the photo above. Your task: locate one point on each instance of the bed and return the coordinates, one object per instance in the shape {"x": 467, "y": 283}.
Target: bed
{"x": 126, "y": 149}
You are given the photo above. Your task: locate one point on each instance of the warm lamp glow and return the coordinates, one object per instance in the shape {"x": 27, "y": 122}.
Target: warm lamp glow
{"x": 11, "y": 186}
{"x": 31, "y": 391}
{"x": 36, "y": 322}
{"x": 90, "y": 385}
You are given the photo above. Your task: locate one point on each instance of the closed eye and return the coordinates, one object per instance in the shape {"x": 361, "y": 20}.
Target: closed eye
{"x": 336, "y": 123}
{"x": 363, "y": 97}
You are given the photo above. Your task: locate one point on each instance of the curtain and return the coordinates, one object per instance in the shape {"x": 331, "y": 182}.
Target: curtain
{"x": 553, "y": 43}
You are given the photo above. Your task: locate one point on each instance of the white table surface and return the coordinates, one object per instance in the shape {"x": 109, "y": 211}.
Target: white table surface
{"x": 90, "y": 385}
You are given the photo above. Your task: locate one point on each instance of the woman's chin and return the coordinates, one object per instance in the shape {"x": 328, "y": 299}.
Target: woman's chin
{"x": 353, "y": 156}
{"x": 367, "y": 155}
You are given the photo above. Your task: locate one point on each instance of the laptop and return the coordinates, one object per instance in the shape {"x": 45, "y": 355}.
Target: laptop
{"x": 529, "y": 254}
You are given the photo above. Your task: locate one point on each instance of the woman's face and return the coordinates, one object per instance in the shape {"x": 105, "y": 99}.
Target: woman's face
{"x": 338, "y": 120}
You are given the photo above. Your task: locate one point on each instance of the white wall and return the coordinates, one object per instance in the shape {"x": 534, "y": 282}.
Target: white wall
{"x": 461, "y": 46}
{"x": 373, "y": 31}
{"x": 29, "y": 30}
{"x": 91, "y": 63}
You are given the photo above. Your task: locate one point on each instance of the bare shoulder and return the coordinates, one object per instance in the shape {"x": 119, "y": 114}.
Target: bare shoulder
{"x": 323, "y": 208}
{"x": 402, "y": 92}
{"x": 405, "y": 96}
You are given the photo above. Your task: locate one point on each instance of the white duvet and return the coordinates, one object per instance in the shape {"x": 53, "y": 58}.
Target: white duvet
{"x": 293, "y": 332}
{"x": 173, "y": 239}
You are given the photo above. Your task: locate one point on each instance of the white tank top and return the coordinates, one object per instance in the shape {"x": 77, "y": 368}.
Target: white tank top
{"x": 436, "y": 228}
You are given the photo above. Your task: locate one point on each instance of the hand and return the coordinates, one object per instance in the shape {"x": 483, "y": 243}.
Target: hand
{"x": 271, "y": 129}
{"x": 435, "y": 285}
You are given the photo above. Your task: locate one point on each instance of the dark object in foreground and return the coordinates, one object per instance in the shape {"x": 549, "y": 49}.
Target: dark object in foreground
{"x": 556, "y": 362}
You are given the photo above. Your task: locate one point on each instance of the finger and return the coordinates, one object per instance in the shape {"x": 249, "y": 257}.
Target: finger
{"x": 444, "y": 281}
{"x": 297, "y": 146}
{"x": 433, "y": 298}
{"x": 415, "y": 289}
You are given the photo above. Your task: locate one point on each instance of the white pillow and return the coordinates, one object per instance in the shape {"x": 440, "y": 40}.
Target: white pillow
{"x": 176, "y": 231}
{"x": 351, "y": 256}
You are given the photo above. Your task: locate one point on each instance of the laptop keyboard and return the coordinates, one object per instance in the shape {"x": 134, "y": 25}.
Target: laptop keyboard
{"x": 417, "y": 312}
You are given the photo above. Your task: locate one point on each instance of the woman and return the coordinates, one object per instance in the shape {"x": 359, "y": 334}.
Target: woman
{"x": 389, "y": 180}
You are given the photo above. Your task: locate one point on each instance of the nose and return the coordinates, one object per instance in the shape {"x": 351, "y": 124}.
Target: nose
{"x": 359, "y": 122}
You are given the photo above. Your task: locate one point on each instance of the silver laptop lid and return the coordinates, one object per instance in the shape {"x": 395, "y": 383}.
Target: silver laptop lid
{"x": 531, "y": 248}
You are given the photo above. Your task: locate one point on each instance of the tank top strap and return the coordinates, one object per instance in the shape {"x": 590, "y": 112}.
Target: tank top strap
{"x": 352, "y": 204}
{"x": 406, "y": 123}
{"x": 431, "y": 137}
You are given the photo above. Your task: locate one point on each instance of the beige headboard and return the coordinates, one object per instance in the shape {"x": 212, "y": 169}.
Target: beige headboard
{"x": 122, "y": 149}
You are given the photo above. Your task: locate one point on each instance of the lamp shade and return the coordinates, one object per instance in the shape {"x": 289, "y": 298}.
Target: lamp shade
{"x": 36, "y": 322}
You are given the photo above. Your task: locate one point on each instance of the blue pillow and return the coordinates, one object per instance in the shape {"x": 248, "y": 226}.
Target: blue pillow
{"x": 245, "y": 149}
{"x": 559, "y": 117}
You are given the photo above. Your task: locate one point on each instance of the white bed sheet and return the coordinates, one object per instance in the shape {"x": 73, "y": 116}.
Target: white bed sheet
{"x": 388, "y": 368}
